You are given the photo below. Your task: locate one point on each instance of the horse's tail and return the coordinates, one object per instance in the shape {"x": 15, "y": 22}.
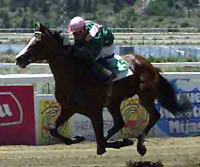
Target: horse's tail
{"x": 168, "y": 99}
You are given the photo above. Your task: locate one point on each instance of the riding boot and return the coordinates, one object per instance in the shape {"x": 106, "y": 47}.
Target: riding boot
{"x": 103, "y": 74}
{"x": 106, "y": 63}
{"x": 101, "y": 71}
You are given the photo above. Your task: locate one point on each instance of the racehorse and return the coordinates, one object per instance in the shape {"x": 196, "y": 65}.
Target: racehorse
{"x": 78, "y": 91}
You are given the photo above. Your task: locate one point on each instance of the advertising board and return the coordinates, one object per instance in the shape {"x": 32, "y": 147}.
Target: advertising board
{"x": 17, "y": 119}
{"x": 168, "y": 125}
{"x": 135, "y": 118}
{"x": 46, "y": 111}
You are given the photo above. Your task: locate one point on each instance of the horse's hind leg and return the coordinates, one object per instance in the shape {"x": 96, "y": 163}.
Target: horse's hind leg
{"x": 114, "y": 110}
{"x": 154, "y": 116}
{"x": 62, "y": 117}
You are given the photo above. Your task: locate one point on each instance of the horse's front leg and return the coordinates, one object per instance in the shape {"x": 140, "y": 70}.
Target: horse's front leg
{"x": 114, "y": 110}
{"x": 97, "y": 122}
{"x": 62, "y": 116}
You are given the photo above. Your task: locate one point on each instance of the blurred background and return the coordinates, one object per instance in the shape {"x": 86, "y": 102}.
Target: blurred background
{"x": 113, "y": 13}
{"x": 151, "y": 28}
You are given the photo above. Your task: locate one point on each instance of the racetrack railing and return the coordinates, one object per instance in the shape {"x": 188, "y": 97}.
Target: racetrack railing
{"x": 156, "y": 38}
{"x": 44, "y": 83}
{"x": 115, "y": 30}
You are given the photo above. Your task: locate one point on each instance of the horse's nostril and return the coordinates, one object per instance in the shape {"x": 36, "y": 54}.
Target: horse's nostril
{"x": 18, "y": 59}
{"x": 21, "y": 62}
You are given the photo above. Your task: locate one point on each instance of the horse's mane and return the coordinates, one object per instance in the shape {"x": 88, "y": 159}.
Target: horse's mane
{"x": 59, "y": 38}
{"x": 70, "y": 52}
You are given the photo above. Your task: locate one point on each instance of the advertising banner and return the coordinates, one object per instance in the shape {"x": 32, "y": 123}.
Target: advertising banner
{"x": 46, "y": 111}
{"x": 17, "y": 119}
{"x": 81, "y": 125}
{"x": 181, "y": 127}
{"x": 134, "y": 115}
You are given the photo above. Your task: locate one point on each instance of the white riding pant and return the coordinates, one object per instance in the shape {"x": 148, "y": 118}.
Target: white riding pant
{"x": 106, "y": 51}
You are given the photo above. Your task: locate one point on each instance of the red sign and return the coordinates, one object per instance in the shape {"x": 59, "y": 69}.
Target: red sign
{"x": 17, "y": 118}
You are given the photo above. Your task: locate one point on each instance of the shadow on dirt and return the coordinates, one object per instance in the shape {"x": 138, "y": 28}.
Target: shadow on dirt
{"x": 144, "y": 164}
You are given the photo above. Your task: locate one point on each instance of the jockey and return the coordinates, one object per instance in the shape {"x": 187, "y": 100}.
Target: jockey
{"x": 94, "y": 45}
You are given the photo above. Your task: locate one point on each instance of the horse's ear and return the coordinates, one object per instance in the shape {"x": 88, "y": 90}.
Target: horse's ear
{"x": 43, "y": 28}
{"x": 40, "y": 27}
{"x": 37, "y": 26}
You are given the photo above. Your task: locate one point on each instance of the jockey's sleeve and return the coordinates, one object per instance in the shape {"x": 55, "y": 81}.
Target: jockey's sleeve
{"x": 108, "y": 36}
{"x": 96, "y": 43}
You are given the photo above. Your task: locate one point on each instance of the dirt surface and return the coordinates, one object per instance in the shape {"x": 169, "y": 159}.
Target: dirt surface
{"x": 171, "y": 152}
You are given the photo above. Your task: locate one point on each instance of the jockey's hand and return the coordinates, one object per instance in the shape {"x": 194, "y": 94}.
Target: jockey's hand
{"x": 88, "y": 37}
{"x": 108, "y": 43}
{"x": 83, "y": 52}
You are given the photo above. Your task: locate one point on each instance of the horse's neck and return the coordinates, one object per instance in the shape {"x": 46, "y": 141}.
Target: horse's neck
{"x": 72, "y": 71}
{"x": 61, "y": 68}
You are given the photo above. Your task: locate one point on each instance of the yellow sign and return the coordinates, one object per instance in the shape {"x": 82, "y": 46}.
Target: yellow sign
{"x": 48, "y": 110}
{"x": 135, "y": 117}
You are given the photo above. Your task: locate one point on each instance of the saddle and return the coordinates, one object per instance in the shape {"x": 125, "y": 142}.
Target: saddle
{"x": 117, "y": 65}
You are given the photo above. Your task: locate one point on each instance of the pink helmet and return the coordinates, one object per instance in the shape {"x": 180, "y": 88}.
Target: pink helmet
{"x": 76, "y": 24}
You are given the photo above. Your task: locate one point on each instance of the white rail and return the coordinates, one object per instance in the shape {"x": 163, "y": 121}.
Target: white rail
{"x": 26, "y": 79}
{"x": 152, "y": 29}
{"x": 9, "y": 65}
{"x": 39, "y": 79}
{"x": 171, "y": 64}
{"x": 177, "y": 64}
{"x": 35, "y": 78}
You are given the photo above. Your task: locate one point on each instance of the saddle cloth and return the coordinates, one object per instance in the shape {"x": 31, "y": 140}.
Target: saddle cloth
{"x": 120, "y": 67}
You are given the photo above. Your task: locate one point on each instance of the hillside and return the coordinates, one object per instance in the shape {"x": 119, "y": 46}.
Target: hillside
{"x": 113, "y": 13}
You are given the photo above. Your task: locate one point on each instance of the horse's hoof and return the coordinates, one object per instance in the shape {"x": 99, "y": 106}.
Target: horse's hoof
{"x": 68, "y": 141}
{"x": 115, "y": 144}
{"x": 141, "y": 150}
{"x": 128, "y": 142}
{"x": 53, "y": 132}
{"x": 78, "y": 139}
{"x": 100, "y": 150}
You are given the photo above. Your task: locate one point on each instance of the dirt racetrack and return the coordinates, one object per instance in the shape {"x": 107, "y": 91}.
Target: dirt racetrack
{"x": 170, "y": 152}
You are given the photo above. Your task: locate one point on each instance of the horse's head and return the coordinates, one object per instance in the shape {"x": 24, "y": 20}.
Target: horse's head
{"x": 40, "y": 47}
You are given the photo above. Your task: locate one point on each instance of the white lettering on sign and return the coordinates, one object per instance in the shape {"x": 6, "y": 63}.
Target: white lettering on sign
{"x": 184, "y": 127}
{"x": 10, "y": 113}
{"x": 195, "y": 97}
{"x": 5, "y": 111}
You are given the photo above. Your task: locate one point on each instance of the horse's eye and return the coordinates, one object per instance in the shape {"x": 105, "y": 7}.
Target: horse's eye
{"x": 38, "y": 35}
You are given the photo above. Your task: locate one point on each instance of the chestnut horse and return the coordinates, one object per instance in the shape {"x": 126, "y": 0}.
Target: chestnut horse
{"x": 78, "y": 91}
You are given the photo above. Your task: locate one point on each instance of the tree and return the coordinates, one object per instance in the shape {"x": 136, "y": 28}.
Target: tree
{"x": 159, "y": 7}
{"x": 88, "y": 6}
{"x": 126, "y": 17}
{"x": 191, "y": 3}
{"x": 24, "y": 23}
{"x": 6, "y": 21}
{"x": 3, "y": 2}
